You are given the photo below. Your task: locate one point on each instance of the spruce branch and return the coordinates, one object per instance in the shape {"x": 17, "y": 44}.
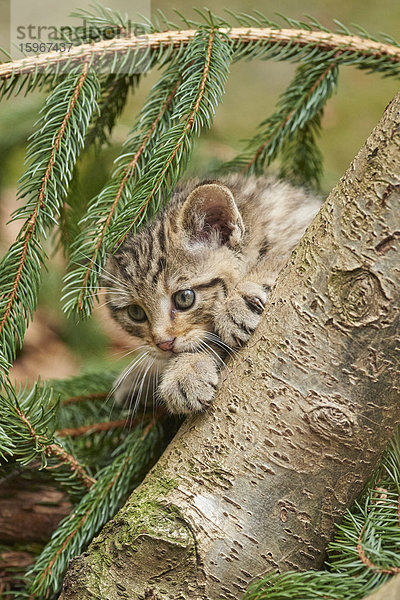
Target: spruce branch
{"x": 85, "y": 409}
{"x": 90, "y": 385}
{"x": 300, "y": 157}
{"x": 307, "y": 586}
{"x": 95, "y": 508}
{"x": 173, "y": 114}
{"x": 103, "y": 22}
{"x": 112, "y": 101}
{"x": 206, "y": 67}
{"x": 287, "y": 43}
{"x": 389, "y": 570}
{"x": 52, "y": 153}
{"x": 101, "y": 19}
{"x": 104, "y": 208}
{"x": 28, "y": 420}
{"x": 94, "y": 428}
{"x": 66, "y": 459}
{"x": 84, "y": 398}
{"x": 113, "y": 98}
{"x": 128, "y": 422}
{"x": 299, "y": 111}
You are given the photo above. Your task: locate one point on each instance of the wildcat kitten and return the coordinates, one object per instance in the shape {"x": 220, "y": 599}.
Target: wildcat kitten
{"x": 191, "y": 284}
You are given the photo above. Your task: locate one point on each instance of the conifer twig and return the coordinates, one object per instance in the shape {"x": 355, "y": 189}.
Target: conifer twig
{"x": 30, "y": 226}
{"x": 96, "y": 507}
{"x": 128, "y": 173}
{"x": 57, "y": 451}
{"x": 368, "y": 563}
{"x": 288, "y": 116}
{"x": 71, "y": 462}
{"x": 324, "y": 41}
{"x": 168, "y": 171}
{"x": 94, "y": 428}
{"x": 128, "y": 422}
{"x": 299, "y": 110}
{"x": 188, "y": 125}
{"x": 51, "y": 155}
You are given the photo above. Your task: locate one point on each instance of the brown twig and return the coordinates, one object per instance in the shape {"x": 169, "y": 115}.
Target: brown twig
{"x": 49, "y": 567}
{"x": 128, "y": 422}
{"x": 94, "y": 428}
{"x": 74, "y": 399}
{"x": 68, "y": 459}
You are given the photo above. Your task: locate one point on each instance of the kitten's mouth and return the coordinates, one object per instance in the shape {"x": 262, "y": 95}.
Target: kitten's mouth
{"x": 165, "y": 354}
{"x": 162, "y": 354}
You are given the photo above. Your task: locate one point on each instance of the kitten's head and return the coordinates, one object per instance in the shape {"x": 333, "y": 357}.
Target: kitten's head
{"x": 165, "y": 283}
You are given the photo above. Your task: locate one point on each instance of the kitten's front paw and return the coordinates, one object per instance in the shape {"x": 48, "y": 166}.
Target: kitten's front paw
{"x": 189, "y": 383}
{"x": 239, "y": 315}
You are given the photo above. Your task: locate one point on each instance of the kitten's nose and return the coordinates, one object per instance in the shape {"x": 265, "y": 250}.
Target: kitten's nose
{"x": 166, "y": 345}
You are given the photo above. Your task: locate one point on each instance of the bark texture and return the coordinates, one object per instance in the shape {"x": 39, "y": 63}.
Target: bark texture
{"x": 303, "y": 415}
{"x": 30, "y": 511}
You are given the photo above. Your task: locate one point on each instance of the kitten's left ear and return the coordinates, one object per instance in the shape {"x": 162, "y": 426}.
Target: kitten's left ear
{"x": 211, "y": 209}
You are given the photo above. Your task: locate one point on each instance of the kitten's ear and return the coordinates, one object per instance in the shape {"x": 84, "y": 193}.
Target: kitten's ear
{"x": 210, "y": 212}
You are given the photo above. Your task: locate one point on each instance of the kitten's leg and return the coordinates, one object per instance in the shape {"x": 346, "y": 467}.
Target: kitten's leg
{"x": 237, "y": 317}
{"x": 189, "y": 382}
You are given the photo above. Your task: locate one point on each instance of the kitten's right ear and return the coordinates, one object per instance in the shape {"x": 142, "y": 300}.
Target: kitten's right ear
{"x": 210, "y": 212}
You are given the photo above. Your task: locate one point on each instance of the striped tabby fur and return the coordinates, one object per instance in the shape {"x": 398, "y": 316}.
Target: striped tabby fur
{"x": 191, "y": 285}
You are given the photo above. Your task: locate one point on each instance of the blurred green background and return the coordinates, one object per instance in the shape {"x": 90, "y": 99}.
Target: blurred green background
{"x": 57, "y": 347}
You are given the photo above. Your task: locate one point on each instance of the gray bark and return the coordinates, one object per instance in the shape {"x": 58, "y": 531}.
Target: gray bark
{"x": 303, "y": 415}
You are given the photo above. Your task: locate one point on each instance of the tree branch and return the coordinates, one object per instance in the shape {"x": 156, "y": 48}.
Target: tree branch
{"x": 258, "y": 481}
{"x": 245, "y": 35}
{"x": 128, "y": 173}
{"x": 29, "y": 227}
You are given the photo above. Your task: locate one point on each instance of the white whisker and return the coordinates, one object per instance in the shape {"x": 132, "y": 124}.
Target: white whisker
{"x": 155, "y": 387}
{"x": 214, "y": 338}
{"x": 207, "y": 347}
{"x": 125, "y": 373}
{"x": 141, "y": 375}
{"x": 130, "y": 351}
{"x": 147, "y": 394}
{"x": 98, "y": 265}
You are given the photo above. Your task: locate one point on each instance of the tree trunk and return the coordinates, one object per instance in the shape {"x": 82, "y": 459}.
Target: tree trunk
{"x": 388, "y": 591}
{"x": 301, "y": 419}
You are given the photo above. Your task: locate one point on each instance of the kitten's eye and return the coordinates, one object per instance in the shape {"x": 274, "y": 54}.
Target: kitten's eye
{"x": 184, "y": 299}
{"x": 137, "y": 313}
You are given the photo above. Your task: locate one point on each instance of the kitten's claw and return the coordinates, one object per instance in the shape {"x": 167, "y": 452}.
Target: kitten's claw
{"x": 239, "y": 315}
{"x": 255, "y": 304}
{"x": 188, "y": 384}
